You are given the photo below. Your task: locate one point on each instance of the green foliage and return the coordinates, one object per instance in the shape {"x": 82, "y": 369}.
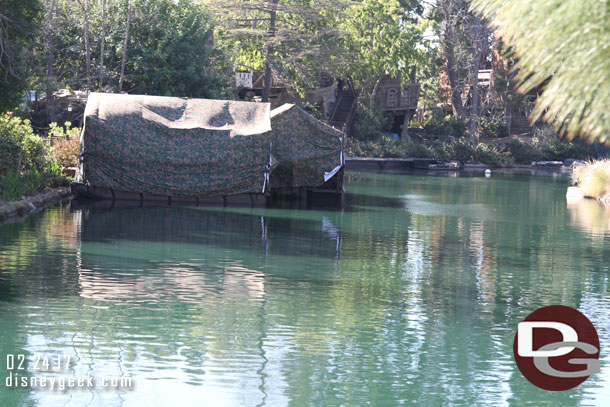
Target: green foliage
{"x": 54, "y": 176}
{"x": 521, "y": 152}
{"x": 551, "y": 149}
{"x": 564, "y": 42}
{"x": 306, "y": 34}
{"x": 18, "y": 26}
{"x": 491, "y": 155}
{"x": 513, "y": 151}
{"x": 66, "y": 130}
{"x": 315, "y": 111}
{"x": 559, "y": 150}
{"x": 463, "y": 150}
{"x": 443, "y": 126}
{"x": 170, "y": 50}
{"x": 492, "y": 126}
{"x": 370, "y": 122}
{"x": 389, "y": 48}
{"x": 20, "y": 149}
{"x": 14, "y": 185}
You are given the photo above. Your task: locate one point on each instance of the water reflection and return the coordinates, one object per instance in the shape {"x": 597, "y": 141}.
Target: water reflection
{"x": 408, "y": 296}
{"x": 590, "y": 215}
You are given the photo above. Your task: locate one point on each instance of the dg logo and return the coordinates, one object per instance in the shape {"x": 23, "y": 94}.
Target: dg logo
{"x": 556, "y": 348}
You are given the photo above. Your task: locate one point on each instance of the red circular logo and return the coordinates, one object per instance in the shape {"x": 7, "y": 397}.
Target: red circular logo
{"x": 556, "y": 348}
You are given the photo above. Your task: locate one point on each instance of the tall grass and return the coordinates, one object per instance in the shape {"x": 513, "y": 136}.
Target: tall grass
{"x": 593, "y": 178}
{"x": 15, "y": 185}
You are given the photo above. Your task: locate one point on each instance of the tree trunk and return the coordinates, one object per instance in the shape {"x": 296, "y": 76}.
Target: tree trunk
{"x": 102, "y": 42}
{"x": 404, "y": 135}
{"x": 374, "y": 94}
{"x": 476, "y": 61}
{"x": 51, "y": 114}
{"x": 125, "y": 45}
{"x": 87, "y": 48}
{"x": 447, "y": 41}
{"x": 269, "y": 49}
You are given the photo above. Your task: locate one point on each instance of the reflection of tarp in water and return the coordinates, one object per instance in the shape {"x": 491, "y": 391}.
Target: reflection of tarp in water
{"x": 195, "y": 248}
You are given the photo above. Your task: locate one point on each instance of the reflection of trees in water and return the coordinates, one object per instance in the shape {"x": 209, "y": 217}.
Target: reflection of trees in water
{"x": 36, "y": 263}
{"x": 37, "y": 256}
{"x": 376, "y": 302}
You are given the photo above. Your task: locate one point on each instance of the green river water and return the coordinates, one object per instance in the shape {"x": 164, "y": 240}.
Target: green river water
{"x": 409, "y": 295}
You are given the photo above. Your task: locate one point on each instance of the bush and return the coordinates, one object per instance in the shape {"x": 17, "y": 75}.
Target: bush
{"x": 20, "y": 149}
{"x": 65, "y": 148}
{"x": 464, "y": 150}
{"x": 522, "y": 153}
{"x": 444, "y": 126}
{"x": 593, "y": 178}
{"x": 370, "y": 123}
{"x": 491, "y": 155}
{"x": 492, "y": 126}
{"x": 559, "y": 150}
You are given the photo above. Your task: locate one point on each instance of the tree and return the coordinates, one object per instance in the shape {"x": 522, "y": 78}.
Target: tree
{"x": 125, "y": 45}
{"x": 563, "y": 46}
{"x": 380, "y": 39}
{"x": 290, "y": 39}
{"x": 171, "y": 50}
{"x": 158, "y": 47}
{"x": 102, "y": 45}
{"x": 465, "y": 43}
{"x": 477, "y": 34}
{"x": 18, "y": 26}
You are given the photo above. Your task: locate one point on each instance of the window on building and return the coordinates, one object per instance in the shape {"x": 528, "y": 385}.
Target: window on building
{"x": 406, "y": 97}
{"x": 392, "y": 95}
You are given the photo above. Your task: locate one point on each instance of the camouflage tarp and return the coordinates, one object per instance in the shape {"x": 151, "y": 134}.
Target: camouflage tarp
{"x": 309, "y": 152}
{"x": 175, "y": 146}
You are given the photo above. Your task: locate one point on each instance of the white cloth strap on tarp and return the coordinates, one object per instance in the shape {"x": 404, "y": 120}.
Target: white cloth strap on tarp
{"x": 269, "y": 166}
{"x": 329, "y": 175}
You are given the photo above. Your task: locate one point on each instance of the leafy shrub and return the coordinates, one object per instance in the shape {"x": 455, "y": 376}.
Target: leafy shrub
{"x": 370, "y": 123}
{"x": 383, "y": 147}
{"x": 315, "y": 111}
{"x": 65, "y": 148}
{"x": 20, "y": 149}
{"x": 491, "y": 155}
{"x": 559, "y": 150}
{"x": 463, "y": 150}
{"x": 522, "y": 153}
{"x": 417, "y": 150}
{"x": 444, "y": 126}
{"x": 492, "y": 126}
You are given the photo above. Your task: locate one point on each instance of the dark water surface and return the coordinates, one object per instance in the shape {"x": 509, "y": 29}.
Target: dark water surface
{"x": 409, "y": 295}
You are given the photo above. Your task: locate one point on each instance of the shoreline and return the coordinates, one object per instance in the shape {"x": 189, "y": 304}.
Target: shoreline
{"x": 373, "y": 163}
{"x": 28, "y": 204}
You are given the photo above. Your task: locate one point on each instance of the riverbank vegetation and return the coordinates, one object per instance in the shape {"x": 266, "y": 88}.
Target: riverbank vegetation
{"x": 593, "y": 180}
{"x": 511, "y": 152}
{"x": 28, "y": 163}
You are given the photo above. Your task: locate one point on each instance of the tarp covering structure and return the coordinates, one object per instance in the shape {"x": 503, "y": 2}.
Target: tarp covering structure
{"x": 175, "y": 146}
{"x": 309, "y": 152}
